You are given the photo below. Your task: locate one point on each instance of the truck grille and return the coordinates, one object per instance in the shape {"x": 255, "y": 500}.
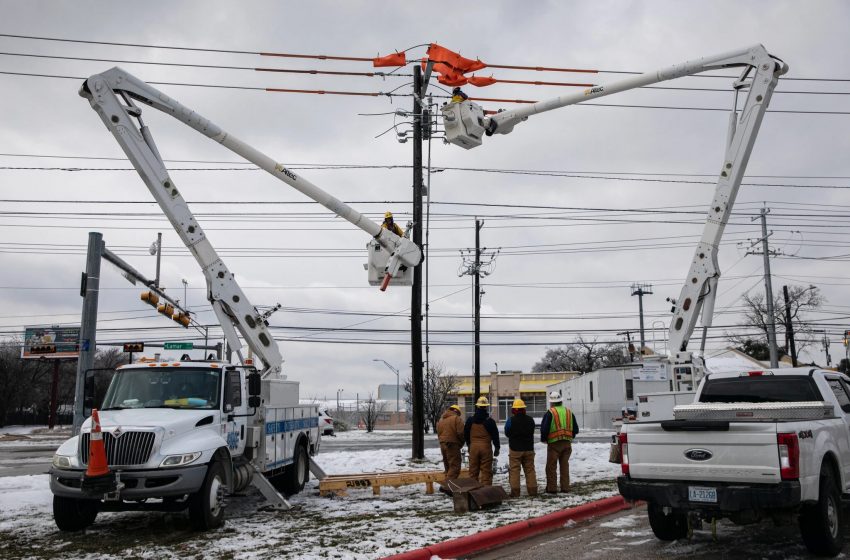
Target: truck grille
{"x": 131, "y": 448}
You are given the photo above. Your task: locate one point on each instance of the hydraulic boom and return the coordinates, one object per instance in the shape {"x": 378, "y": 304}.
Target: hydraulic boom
{"x": 112, "y": 95}
{"x": 466, "y": 125}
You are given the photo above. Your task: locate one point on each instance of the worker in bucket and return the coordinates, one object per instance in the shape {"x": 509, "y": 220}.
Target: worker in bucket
{"x": 482, "y": 437}
{"x": 391, "y": 225}
{"x": 557, "y": 430}
{"x": 520, "y": 432}
{"x": 450, "y": 434}
{"x": 458, "y": 96}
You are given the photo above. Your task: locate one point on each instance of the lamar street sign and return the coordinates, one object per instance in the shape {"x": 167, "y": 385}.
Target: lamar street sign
{"x": 177, "y": 346}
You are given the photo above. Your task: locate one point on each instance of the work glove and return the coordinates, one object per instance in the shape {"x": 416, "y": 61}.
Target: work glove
{"x": 496, "y": 452}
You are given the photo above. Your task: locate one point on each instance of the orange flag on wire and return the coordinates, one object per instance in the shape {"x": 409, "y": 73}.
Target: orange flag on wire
{"x": 395, "y": 59}
{"x": 482, "y": 81}
{"x": 453, "y": 60}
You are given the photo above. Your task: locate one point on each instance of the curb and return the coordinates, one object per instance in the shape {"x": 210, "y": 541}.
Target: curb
{"x": 520, "y": 530}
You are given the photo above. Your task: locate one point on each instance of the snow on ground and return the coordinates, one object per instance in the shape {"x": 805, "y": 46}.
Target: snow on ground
{"x": 358, "y": 526}
{"x": 33, "y": 435}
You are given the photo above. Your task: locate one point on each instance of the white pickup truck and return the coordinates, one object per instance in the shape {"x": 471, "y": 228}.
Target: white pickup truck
{"x": 754, "y": 445}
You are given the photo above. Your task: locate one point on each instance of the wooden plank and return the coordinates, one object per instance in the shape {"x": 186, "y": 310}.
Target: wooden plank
{"x": 340, "y": 484}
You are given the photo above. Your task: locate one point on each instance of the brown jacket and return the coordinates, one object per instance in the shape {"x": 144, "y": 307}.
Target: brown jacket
{"x": 450, "y": 428}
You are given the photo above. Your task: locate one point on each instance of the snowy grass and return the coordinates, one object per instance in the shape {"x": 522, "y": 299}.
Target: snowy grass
{"x": 358, "y": 526}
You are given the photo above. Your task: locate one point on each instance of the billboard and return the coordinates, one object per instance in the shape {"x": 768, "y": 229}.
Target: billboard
{"x": 51, "y": 342}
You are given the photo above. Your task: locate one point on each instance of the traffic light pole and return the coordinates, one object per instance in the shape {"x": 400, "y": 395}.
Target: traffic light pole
{"x": 88, "y": 324}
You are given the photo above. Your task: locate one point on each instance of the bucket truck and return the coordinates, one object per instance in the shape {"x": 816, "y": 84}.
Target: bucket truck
{"x": 179, "y": 435}
{"x": 467, "y": 124}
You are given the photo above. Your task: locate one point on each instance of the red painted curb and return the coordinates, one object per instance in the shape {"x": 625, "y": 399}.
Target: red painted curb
{"x": 497, "y": 536}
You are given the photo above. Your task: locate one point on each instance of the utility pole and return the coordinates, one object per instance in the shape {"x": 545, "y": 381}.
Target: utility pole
{"x": 641, "y": 290}
{"x": 629, "y": 348}
{"x": 476, "y": 268}
{"x": 476, "y": 290}
{"x": 417, "y": 396}
{"x": 789, "y": 327}
{"x": 768, "y": 287}
{"x": 89, "y": 290}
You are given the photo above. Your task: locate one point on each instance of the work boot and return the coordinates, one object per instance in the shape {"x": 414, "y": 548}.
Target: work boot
{"x": 514, "y": 493}
{"x": 565, "y": 490}
{"x": 446, "y": 491}
{"x": 551, "y": 491}
{"x": 532, "y": 491}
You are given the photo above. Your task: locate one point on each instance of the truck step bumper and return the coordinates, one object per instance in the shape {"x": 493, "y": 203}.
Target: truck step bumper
{"x": 730, "y": 497}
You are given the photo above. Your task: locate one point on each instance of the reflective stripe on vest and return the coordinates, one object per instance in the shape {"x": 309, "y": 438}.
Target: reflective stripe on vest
{"x": 561, "y": 428}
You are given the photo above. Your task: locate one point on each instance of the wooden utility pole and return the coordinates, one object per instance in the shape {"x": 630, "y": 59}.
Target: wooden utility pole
{"x": 417, "y": 396}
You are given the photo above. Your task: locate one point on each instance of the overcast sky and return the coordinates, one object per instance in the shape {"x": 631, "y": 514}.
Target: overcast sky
{"x": 562, "y": 270}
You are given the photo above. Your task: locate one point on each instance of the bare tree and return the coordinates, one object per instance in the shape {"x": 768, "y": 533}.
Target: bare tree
{"x": 370, "y": 410}
{"x": 801, "y": 300}
{"x": 581, "y": 355}
{"x": 439, "y": 387}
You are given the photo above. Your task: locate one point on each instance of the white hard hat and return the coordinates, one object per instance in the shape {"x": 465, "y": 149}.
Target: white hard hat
{"x": 555, "y": 396}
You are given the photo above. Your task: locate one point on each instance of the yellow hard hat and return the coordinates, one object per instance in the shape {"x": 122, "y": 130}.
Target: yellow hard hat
{"x": 388, "y": 214}
{"x": 518, "y": 403}
{"x": 454, "y": 407}
{"x": 482, "y": 402}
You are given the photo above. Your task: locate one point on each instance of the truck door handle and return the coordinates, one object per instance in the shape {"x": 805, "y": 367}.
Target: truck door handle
{"x": 242, "y": 431}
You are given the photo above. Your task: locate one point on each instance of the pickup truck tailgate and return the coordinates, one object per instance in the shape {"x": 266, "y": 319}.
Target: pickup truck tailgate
{"x": 745, "y": 452}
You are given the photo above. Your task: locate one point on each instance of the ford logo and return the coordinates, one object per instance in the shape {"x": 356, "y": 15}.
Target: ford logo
{"x": 699, "y": 454}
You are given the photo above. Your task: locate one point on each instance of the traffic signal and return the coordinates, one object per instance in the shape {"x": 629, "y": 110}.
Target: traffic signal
{"x": 134, "y": 346}
{"x": 182, "y": 318}
{"x": 166, "y": 309}
{"x": 846, "y": 338}
{"x": 150, "y": 298}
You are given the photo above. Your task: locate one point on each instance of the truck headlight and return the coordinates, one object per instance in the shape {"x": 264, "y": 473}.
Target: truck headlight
{"x": 61, "y": 462}
{"x": 180, "y": 460}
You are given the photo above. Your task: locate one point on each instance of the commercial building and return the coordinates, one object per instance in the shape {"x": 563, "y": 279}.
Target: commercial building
{"x": 502, "y": 387}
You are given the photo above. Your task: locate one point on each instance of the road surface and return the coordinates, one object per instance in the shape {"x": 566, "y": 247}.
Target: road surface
{"x": 627, "y": 536}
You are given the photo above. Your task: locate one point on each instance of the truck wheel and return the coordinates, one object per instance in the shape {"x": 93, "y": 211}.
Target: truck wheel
{"x": 296, "y": 475}
{"x": 73, "y": 514}
{"x": 670, "y": 527}
{"x": 820, "y": 523}
{"x": 206, "y": 506}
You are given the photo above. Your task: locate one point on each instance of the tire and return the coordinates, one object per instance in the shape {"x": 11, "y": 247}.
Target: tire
{"x": 670, "y": 527}
{"x": 820, "y": 523}
{"x": 297, "y": 473}
{"x": 73, "y": 514}
{"x": 206, "y": 506}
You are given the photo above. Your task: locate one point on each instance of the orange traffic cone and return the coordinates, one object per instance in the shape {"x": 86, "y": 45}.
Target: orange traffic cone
{"x": 98, "y": 478}
{"x": 97, "y": 452}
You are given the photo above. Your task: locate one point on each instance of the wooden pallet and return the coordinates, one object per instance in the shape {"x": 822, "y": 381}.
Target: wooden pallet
{"x": 339, "y": 484}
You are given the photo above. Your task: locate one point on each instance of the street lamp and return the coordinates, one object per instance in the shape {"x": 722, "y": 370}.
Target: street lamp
{"x": 397, "y": 400}
{"x": 338, "y": 391}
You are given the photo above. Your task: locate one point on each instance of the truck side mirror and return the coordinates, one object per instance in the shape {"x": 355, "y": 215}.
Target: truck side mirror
{"x": 254, "y": 390}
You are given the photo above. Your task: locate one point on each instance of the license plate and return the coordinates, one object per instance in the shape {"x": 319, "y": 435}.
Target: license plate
{"x": 702, "y": 494}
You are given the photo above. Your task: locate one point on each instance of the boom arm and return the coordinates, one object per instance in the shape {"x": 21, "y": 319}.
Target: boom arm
{"x": 466, "y": 124}
{"x": 111, "y": 95}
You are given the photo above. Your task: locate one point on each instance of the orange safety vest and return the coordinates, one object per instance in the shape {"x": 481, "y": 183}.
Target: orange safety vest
{"x": 561, "y": 428}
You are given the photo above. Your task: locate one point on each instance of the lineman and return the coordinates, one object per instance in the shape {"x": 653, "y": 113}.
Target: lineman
{"x": 520, "y": 431}
{"x": 450, "y": 433}
{"x": 389, "y": 224}
{"x": 557, "y": 430}
{"x": 480, "y": 430}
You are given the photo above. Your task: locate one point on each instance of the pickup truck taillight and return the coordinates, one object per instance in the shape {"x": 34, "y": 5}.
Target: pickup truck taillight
{"x": 623, "y": 441}
{"x": 789, "y": 456}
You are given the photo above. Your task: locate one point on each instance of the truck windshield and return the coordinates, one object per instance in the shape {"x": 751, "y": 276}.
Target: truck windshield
{"x": 763, "y": 388}
{"x": 164, "y": 388}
